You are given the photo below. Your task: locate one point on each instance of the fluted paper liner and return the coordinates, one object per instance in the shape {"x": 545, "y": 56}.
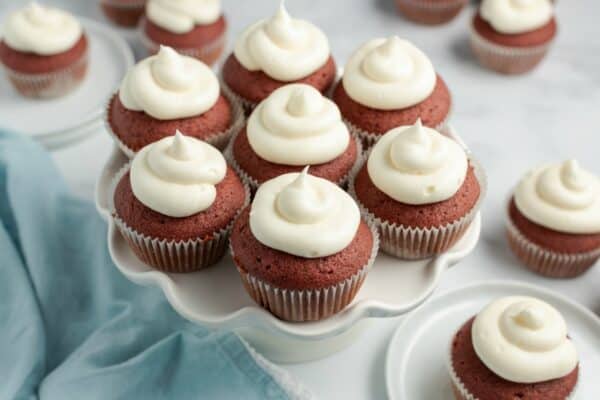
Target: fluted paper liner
{"x": 431, "y": 12}
{"x": 170, "y": 255}
{"x": 49, "y": 84}
{"x": 218, "y": 139}
{"x": 309, "y": 304}
{"x": 414, "y": 243}
{"x": 547, "y": 262}
{"x": 247, "y": 105}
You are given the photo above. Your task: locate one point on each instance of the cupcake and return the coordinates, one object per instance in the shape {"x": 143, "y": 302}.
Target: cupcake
{"x": 175, "y": 204}
{"x": 389, "y": 83}
{"x": 512, "y": 36}
{"x": 195, "y": 28}
{"x": 44, "y": 51}
{"x": 167, "y": 92}
{"x": 301, "y": 248}
{"x": 274, "y": 52}
{"x": 420, "y": 190}
{"x": 515, "y": 348}
{"x": 126, "y": 13}
{"x": 431, "y": 12}
{"x": 295, "y": 126}
{"x": 554, "y": 220}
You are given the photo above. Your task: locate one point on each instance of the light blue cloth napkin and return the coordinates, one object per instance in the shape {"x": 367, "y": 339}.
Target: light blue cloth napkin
{"x": 71, "y": 327}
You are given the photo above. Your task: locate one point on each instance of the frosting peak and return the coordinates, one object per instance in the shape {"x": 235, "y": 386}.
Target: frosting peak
{"x": 524, "y": 340}
{"x": 300, "y": 203}
{"x": 169, "y": 85}
{"x": 516, "y": 16}
{"x": 297, "y": 125}
{"x": 182, "y": 16}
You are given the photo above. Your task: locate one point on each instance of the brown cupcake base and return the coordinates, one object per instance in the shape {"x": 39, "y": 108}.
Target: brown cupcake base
{"x": 430, "y": 12}
{"x": 123, "y": 13}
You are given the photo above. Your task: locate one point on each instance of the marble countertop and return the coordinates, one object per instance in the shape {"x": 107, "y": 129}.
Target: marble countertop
{"x": 510, "y": 123}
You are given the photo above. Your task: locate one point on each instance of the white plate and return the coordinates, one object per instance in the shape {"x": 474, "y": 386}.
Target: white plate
{"x": 416, "y": 358}
{"x": 56, "y": 122}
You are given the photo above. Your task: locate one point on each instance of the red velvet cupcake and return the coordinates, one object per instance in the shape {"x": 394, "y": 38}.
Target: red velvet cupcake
{"x": 515, "y": 348}
{"x": 512, "y": 37}
{"x": 301, "y": 248}
{"x": 175, "y": 204}
{"x": 126, "y": 13}
{"x": 295, "y": 126}
{"x": 389, "y": 83}
{"x": 44, "y": 51}
{"x": 196, "y": 29}
{"x": 274, "y": 52}
{"x": 431, "y": 12}
{"x": 169, "y": 92}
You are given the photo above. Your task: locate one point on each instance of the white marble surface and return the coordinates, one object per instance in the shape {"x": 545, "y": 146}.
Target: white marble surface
{"x": 510, "y": 123}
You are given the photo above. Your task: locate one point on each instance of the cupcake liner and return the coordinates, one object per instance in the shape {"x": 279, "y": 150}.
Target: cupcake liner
{"x": 430, "y": 12}
{"x": 414, "y": 243}
{"x": 169, "y": 255}
{"x": 546, "y": 262}
{"x": 51, "y": 84}
{"x": 218, "y": 140}
{"x": 209, "y": 53}
{"x": 309, "y": 304}
{"x": 504, "y": 59}
{"x": 247, "y": 105}
{"x": 254, "y": 184}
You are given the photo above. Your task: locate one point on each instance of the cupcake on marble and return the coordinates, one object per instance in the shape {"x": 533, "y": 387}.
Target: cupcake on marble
{"x": 554, "y": 220}
{"x": 513, "y": 36}
{"x": 431, "y": 12}
{"x": 516, "y": 348}
{"x": 44, "y": 51}
{"x": 295, "y": 126}
{"x": 195, "y": 28}
{"x": 277, "y": 51}
{"x": 420, "y": 189}
{"x": 169, "y": 92}
{"x": 301, "y": 248}
{"x": 389, "y": 83}
{"x": 175, "y": 204}
{"x": 125, "y": 13}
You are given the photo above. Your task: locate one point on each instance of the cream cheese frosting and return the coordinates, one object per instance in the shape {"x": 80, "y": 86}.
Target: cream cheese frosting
{"x": 417, "y": 165}
{"x": 169, "y": 86}
{"x": 303, "y": 215}
{"x": 563, "y": 197}
{"x": 516, "y": 16}
{"x": 389, "y": 74}
{"x": 523, "y": 340}
{"x": 297, "y": 125}
{"x": 181, "y": 16}
{"x": 284, "y": 48}
{"x": 41, "y": 30}
{"x": 176, "y": 176}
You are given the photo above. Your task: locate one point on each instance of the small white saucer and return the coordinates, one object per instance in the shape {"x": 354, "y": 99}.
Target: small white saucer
{"x": 416, "y": 358}
{"x": 60, "y": 121}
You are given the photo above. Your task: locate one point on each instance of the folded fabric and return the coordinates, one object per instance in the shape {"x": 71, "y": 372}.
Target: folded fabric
{"x": 73, "y": 328}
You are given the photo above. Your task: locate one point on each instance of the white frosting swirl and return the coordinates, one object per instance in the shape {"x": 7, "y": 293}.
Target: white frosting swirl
{"x": 169, "y": 85}
{"x": 181, "y": 16}
{"x": 303, "y": 215}
{"x": 562, "y": 197}
{"x": 176, "y": 176}
{"x": 284, "y": 48}
{"x": 523, "y": 340}
{"x": 41, "y": 30}
{"x": 296, "y": 125}
{"x": 516, "y": 16}
{"x": 389, "y": 74}
{"x": 417, "y": 165}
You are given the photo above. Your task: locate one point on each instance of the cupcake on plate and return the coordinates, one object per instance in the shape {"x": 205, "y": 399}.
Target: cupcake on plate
{"x": 389, "y": 83}
{"x": 513, "y": 36}
{"x": 554, "y": 220}
{"x": 516, "y": 348}
{"x": 195, "y": 28}
{"x": 126, "y": 13}
{"x": 274, "y": 52}
{"x": 301, "y": 248}
{"x": 175, "y": 204}
{"x": 420, "y": 189}
{"x": 44, "y": 51}
{"x": 431, "y": 12}
{"x": 169, "y": 92}
{"x": 295, "y": 126}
